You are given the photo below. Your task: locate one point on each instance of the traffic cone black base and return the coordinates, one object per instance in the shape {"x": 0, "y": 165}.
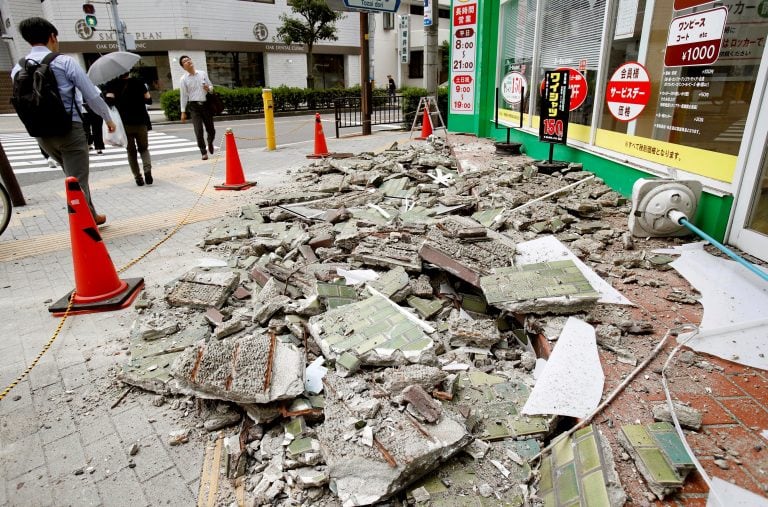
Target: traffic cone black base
{"x": 117, "y": 302}
{"x": 240, "y": 186}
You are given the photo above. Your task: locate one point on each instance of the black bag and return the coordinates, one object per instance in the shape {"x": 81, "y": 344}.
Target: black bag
{"x": 214, "y": 104}
{"x": 37, "y": 101}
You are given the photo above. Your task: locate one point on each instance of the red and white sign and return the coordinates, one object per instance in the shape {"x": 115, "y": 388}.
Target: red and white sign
{"x": 628, "y": 91}
{"x": 462, "y": 96}
{"x": 512, "y": 87}
{"x": 695, "y": 39}
{"x": 687, "y": 4}
{"x": 577, "y": 85}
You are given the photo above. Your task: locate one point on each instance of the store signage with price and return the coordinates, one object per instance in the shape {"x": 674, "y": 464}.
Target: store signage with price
{"x": 463, "y": 58}
{"x": 553, "y": 126}
{"x": 695, "y": 39}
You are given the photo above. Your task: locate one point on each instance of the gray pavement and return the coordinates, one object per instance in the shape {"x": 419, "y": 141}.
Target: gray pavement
{"x": 60, "y": 442}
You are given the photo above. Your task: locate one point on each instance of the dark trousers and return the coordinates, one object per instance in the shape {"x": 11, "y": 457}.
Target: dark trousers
{"x": 201, "y": 116}
{"x": 71, "y": 152}
{"x": 92, "y": 123}
{"x": 138, "y": 143}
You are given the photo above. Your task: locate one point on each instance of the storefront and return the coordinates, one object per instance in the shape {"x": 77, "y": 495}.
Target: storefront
{"x": 658, "y": 88}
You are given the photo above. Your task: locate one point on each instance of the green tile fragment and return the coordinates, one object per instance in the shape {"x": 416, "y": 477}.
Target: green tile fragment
{"x": 658, "y": 467}
{"x": 595, "y": 493}
{"x": 567, "y": 484}
{"x": 589, "y": 455}
{"x": 562, "y": 451}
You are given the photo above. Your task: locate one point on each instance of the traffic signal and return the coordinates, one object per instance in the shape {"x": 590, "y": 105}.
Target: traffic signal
{"x": 89, "y": 11}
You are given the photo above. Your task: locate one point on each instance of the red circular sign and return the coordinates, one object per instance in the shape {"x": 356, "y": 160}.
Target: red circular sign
{"x": 628, "y": 91}
{"x": 577, "y": 85}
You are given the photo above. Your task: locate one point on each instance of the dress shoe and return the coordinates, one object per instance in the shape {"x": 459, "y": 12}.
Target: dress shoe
{"x": 205, "y": 156}
{"x": 139, "y": 181}
{"x": 148, "y": 177}
{"x": 210, "y": 147}
{"x": 51, "y": 162}
{"x": 99, "y": 219}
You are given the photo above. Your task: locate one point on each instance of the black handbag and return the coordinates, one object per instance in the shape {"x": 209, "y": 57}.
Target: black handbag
{"x": 214, "y": 104}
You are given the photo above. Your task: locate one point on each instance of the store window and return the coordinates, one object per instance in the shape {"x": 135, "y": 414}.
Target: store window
{"x": 693, "y": 117}
{"x": 571, "y": 39}
{"x": 516, "y": 56}
{"x": 235, "y": 69}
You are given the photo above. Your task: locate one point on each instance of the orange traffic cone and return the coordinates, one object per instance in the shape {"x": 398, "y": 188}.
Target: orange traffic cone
{"x": 235, "y": 180}
{"x": 97, "y": 287}
{"x": 321, "y": 149}
{"x": 426, "y": 126}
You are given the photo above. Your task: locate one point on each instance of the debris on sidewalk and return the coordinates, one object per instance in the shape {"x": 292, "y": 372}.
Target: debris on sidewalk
{"x": 374, "y": 328}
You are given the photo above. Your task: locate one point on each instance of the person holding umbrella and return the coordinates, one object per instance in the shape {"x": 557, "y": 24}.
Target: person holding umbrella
{"x": 130, "y": 95}
{"x": 70, "y": 151}
{"x": 194, "y": 87}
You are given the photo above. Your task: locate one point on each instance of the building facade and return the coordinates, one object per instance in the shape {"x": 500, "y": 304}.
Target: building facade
{"x": 658, "y": 88}
{"x": 233, "y": 40}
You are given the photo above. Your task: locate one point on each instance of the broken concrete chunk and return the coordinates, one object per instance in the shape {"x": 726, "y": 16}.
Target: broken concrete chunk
{"x": 397, "y": 379}
{"x": 155, "y": 329}
{"x": 480, "y": 332}
{"x": 422, "y": 404}
{"x": 687, "y": 417}
{"x": 376, "y": 330}
{"x": 362, "y": 475}
{"x": 547, "y": 287}
{"x": 203, "y": 289}
{"x": 394, "y": 284}
{"x": 248, "y": 369}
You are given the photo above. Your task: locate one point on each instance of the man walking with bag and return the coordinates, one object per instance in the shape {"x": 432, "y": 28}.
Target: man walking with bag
{"x": 67, "y": 146}
{"x": 194, "y": 87}
{"x": 131, "y": 96}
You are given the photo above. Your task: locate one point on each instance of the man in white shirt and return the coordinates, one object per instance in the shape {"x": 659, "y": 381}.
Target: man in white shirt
{"x": 195, "y": 85}
{"x": 70, "y": 150}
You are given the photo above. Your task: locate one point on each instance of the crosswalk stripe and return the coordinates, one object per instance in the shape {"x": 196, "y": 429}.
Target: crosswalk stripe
{"x": 24, "y": 154}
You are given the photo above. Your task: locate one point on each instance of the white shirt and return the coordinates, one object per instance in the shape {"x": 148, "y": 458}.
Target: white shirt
{"x": 191, "y": 88}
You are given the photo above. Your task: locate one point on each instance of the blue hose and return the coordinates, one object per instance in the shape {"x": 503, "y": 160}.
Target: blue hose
{"x": 762, "y": 274}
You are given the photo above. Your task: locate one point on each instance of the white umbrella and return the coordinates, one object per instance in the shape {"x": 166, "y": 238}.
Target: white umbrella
{"x": 112, "y": 65}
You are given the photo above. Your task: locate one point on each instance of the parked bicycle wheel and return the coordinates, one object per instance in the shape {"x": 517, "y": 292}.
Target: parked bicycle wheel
{"x": 5, "y": 208}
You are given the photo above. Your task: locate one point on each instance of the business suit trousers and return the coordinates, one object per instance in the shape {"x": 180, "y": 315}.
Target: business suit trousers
{"x": 201, "y": 117}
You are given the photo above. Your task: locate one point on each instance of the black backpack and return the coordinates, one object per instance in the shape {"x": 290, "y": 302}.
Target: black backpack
{"x": 37, "y": 101}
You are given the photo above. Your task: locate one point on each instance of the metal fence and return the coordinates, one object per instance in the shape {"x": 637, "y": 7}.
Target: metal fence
{"x": 384, "y": 111}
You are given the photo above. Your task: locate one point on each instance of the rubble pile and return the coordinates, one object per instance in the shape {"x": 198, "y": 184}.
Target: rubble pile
{"x": 367, "y": 322}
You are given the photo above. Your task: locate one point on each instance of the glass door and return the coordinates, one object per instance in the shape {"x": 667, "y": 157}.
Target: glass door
{"x": 749, "y": 227}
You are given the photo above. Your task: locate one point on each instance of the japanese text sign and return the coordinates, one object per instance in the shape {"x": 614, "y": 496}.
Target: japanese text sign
{"x": 628, "y": 91}
{"x": 463, "y": 57}
{"x": 553, "y": 126}
{"x": 695, "y": 39}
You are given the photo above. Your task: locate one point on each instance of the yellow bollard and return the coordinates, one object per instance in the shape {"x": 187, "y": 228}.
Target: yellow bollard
{"x": 269, "y": 117}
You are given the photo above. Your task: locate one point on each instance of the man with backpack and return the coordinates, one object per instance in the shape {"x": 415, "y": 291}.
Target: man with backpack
{"x": 45, "y": 84}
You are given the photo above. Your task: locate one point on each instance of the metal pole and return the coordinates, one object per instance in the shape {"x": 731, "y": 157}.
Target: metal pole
{"x": 269, "y": 118}
{"x": 118, "y": 26}
{"x": 365, "y": 72}
{"x": 431, "y": 64}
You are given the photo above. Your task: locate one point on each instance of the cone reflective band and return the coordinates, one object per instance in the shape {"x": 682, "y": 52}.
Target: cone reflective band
{"x": 321, "y": 149}
{"x": 97, "y": 286}
{"x": 234, "y": 177}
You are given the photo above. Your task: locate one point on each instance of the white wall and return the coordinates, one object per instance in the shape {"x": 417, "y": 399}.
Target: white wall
{"x": 289, "y": 69}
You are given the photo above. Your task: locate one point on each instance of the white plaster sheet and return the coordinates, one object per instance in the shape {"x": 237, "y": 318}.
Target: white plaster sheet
{"x": 735, "y": 300}
{"x": 571, "y": 383}
{"x": 549, "y": 248}
{"x": 725, "y": 494}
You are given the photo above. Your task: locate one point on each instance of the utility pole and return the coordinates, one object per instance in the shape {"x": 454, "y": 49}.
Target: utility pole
{"x": 119, "y": 27}
{"x": 431, "y": 64}
{"x": 365, "y": 75}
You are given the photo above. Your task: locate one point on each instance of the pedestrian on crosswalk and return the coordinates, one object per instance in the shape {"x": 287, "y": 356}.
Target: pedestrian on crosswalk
{"x": 131, "y": 97}
{"x": 92, "y": 123}
{"x": 194, "y": 88}
{"x": 71, "y": 149}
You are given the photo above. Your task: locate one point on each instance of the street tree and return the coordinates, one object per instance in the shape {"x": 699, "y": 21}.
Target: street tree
{"x": 316, "y": 22}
